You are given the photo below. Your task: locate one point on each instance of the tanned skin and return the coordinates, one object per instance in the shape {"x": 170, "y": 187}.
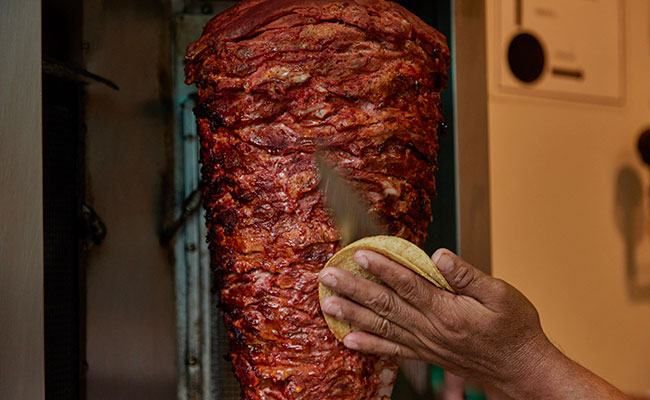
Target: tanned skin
{"x": 488, "y": 332}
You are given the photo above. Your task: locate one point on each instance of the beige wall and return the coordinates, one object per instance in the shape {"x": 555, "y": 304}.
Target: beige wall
{"x": 565, "y": 178}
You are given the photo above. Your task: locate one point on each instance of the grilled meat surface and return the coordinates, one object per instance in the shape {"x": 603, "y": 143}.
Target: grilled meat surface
{"x": 355, "y": 80}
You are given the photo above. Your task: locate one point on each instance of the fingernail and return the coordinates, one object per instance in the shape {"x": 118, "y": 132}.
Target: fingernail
{"x": 328, "y": 279}
{"x": 436, "y": 257}
{"x": 331, "y": 308}
{"x": 445, "y": 263}
{"x": 361, "y": 259}
{"x": 350, "y": 344}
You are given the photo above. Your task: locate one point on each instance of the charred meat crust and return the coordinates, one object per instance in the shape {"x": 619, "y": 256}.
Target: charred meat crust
{"x": 359, "y": 81}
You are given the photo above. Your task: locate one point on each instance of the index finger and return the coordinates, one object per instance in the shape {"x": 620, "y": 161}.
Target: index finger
{"x": 406, "y": 283}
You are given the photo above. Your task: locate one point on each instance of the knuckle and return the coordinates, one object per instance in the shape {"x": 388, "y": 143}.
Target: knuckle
{"x": 450, "y": 322}
{"x": 383, "y": 303}
{"x": 383, "y": 327}
{"x": 464, "y": 276}
{"x": 410, "y": 289}
{"x": 393, "y": 351}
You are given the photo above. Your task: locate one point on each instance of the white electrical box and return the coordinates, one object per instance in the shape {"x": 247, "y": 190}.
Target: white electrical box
{"x": 572, "y": 49}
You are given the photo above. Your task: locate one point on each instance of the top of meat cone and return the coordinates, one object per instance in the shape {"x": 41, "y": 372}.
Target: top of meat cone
{"x": 384, "y": 19}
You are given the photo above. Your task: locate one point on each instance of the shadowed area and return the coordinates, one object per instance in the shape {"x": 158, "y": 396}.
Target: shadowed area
{"x": 632, "y": 226}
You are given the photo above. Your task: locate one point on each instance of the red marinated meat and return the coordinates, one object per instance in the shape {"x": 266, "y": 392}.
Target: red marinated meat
{"x": 357, "y": 80}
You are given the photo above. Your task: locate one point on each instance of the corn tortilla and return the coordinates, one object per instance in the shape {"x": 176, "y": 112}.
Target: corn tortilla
{"x": 397, "y": 249}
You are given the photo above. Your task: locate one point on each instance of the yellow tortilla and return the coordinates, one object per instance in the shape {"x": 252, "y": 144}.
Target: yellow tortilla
{"x": 397, "y": 249}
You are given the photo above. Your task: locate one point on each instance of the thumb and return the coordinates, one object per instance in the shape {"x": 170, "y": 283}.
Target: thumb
{"x": 463, "y": 277}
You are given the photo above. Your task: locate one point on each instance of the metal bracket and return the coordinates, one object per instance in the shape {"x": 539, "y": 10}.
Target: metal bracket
{"x": 93, "y": 228}
{"x": 76, "y": 74}
{"x": 191, "y": 205}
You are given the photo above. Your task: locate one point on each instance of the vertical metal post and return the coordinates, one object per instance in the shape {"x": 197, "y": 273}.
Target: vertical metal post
{"x": 197, "y": 347}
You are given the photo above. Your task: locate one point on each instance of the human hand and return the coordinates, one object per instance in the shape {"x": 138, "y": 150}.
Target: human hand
{"x": 488, "y": 331}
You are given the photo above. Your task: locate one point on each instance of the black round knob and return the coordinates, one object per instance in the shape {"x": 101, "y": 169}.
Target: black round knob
{"x": 644, "y": 146}
{"x": 526, "y": 57}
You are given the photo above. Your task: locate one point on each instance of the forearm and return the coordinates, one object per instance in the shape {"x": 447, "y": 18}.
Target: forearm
{"x": 552, "y": 375}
